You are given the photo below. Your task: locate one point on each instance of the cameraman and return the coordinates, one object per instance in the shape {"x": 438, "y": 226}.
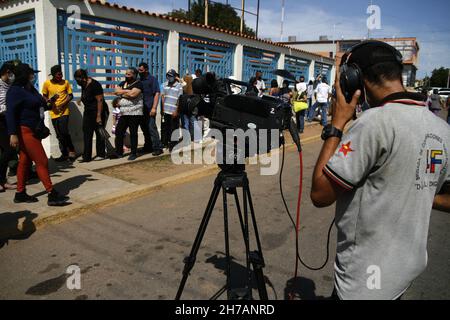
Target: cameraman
{"x": 386, "y": 174}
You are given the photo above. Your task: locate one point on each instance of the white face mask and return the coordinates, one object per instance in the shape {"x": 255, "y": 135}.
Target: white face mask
{"x": 11, "y": 78}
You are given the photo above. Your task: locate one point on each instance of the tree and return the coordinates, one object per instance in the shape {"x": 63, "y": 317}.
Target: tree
{"x": 220, "y": 16}
{"x": 439, "y": 77}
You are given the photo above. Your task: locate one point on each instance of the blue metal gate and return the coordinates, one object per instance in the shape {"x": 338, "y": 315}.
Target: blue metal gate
{"x": 297, "y": 67}
{"x": 207, "y": 55}
{"x": 322, "y": 69}
{"x": 18, "y": 39}
{"x": 258, "y": 60}
{"x": 106, "y": 48}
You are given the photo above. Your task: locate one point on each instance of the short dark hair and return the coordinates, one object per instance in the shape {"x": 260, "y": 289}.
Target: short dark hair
{"x": 198, "y": 71}
{"x": 380, "y": 72}
{"x": 274, "y": 84}
{"x": 6, "y": 67}
{"x": 144, "y": 65}
{"x": 81, "y": 73}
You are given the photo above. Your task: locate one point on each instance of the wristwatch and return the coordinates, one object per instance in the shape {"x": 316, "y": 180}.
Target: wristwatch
{"x": 330, "y": 131}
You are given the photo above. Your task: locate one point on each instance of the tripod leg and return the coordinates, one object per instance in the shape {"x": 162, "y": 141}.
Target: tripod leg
{"x": 227, "y": 244}
{"x": 190, "y": 261}
{"x": 247, "y": 243}
{"x": 257, "y": 257}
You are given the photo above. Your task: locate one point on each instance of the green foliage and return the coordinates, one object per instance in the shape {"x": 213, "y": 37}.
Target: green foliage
{"x": 219, "y": 15}
{"x": 439, "y": 77}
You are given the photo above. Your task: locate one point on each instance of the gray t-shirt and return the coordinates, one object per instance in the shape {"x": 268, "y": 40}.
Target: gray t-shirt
{"x": 393, "y": 161}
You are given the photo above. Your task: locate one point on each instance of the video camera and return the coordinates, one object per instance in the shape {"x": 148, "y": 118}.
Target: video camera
{"x": 217, "y": 100}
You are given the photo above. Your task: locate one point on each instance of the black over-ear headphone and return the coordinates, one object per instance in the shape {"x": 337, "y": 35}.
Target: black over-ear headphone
{"x": 351, "y": 78}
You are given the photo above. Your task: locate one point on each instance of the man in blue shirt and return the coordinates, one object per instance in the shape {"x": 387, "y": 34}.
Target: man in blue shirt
{"x": 151, "y": 99}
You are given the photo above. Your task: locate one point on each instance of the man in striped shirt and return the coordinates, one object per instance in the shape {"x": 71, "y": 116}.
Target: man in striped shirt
{"x": 7, "y": 153}
{"x": 171, "y": 93}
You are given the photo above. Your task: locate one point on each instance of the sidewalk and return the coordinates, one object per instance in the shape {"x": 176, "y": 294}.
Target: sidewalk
{"x": 89, "y": 190}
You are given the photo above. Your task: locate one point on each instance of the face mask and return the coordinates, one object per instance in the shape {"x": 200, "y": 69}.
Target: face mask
{"x": 171, "y": 79}
{"x": 142, "y": 75}
{"x": 11, "y": 78}
{"x": 129, "y": 79}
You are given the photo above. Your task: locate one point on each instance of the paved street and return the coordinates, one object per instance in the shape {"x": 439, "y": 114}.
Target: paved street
{"x": 135, "y": 250}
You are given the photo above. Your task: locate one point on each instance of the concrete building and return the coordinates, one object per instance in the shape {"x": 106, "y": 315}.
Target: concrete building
{"x": 408, "y": 47}
{"x": 106, "y": 39}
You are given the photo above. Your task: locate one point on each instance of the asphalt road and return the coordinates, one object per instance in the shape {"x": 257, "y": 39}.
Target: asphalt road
{"x": 136, "y": 250}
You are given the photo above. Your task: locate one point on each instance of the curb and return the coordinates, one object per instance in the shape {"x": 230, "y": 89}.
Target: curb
{"x": 125, "y": 196}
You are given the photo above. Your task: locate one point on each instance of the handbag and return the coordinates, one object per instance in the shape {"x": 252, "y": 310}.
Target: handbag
{"x": 300, "y": 106}
{"x": 41, "y": 132}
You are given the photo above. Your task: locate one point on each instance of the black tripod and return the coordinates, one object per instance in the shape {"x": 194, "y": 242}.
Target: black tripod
{"x": 229, "y": 180}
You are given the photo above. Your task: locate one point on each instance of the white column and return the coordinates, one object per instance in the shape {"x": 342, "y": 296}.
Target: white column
{"x": 333, "y": 75}
{"x": 311, "y": 70}
{"x": 281, "y": 65}
{"x": 47, "y": 52}
{"x": 173, "y": 44}
{"x": 239, "y": 62}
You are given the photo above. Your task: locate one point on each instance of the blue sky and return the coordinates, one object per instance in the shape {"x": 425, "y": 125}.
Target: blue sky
{"x": 307, "y": 20}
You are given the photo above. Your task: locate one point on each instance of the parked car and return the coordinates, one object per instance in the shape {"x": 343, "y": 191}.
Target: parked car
{"x": 444, "y": 93}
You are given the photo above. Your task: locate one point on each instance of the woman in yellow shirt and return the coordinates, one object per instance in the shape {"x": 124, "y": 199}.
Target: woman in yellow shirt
{"x": 58, "y": 93}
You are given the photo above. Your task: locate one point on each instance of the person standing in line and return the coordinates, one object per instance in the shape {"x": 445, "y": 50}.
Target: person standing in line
{"x": 171, "y": 94}
{"x": 60, "y": 90}
{"x": 25, "y": 115}
{"x": 260, "y": 84}
{"x": 95, "y": 114}
{"x": 151, "y": 94}
{"x": 301, "y": 86}
{"x": 7, "y": 153}
{"x": 323, "y": 93}
{"x": 310, "y": 95}
{"x": 274, "y": 89}
{"x": 132, "y": 108}
{"x": 435, "y": 102}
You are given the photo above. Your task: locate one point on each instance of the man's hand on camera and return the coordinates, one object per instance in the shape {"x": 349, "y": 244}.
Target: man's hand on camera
{"x": 343, "y": 112}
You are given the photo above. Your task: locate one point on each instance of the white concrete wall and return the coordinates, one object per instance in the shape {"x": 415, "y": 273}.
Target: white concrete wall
{"x": 238, "y": 62}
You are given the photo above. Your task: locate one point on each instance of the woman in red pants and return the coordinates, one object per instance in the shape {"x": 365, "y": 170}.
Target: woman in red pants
{"x": 24, "y": 116}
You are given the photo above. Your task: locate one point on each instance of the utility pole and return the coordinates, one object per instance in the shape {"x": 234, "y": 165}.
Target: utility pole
{"x": 282, "y": 21}
{"x": 206, "y": 12}
{"x": 242, "y": 16}
{"x": 257, "y": 20}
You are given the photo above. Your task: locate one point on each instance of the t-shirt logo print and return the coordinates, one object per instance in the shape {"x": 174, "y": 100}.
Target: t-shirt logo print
{"x": 346, "y": 149}
{"x": 433, "y": 160}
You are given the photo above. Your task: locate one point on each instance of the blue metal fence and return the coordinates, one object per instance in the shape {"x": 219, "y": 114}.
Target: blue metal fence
{"x": 298, "y": 67}
{"x": 18, "y": 39}
{"x": 106, "y": 48}
{"x": 258, "y": 60}
{"x": 207, "y": 55}
{"x": 322, "y": 69}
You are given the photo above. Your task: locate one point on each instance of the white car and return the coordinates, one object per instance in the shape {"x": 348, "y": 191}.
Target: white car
{"x": 444, "y": 93}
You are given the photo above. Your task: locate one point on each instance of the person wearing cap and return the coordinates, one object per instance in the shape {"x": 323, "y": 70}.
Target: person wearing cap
{"x": 386, "y": 174}
{"x": 25, "y": 112}
{"x": 7, "y": 153}
{"x": 58, "y": 92}
{"x": 170, "y": 96}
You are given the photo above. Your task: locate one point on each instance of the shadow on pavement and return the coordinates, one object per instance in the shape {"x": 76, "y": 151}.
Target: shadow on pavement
{"x": 68, "y": 185}
{"x": 238, "y": 273}
{"x": 301, "y": 288}
{"x": 9, "y": 226}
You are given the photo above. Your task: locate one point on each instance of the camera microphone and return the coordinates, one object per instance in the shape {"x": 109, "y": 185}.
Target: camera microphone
{"x": 295, "y": 135}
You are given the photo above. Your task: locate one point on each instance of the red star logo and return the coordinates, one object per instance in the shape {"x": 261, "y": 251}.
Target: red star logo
{"x": 345, "y": 149}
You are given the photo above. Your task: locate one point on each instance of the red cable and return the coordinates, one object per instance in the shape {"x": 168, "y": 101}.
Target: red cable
{"x": 300, "y": 191}
{"x": 297, "y": 226}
